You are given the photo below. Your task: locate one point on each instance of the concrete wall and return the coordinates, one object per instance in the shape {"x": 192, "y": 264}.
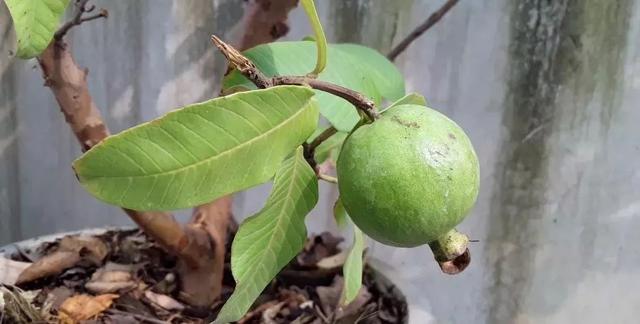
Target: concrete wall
{"x": 548, "y": 91}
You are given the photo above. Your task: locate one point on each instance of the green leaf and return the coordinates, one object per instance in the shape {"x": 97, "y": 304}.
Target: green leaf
{"x": 330, "y": 148}
{"x": 267, "y": 241}
{"x": 321, "y": 39}
{"x": 340, "y": 214}
{"x": 200, "y": 152}
{"x": 410, "y": 99}
{"x": 352, "y": 269}
{"x": 355, "y": 67}
{"x": 35, "y": 22}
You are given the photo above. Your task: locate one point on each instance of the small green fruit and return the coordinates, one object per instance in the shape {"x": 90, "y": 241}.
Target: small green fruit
{"x": 408, "y": 178}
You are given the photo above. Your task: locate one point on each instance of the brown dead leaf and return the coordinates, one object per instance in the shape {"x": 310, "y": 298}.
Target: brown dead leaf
{"x": 111, "y": 278}
{"x": 317, "y": 248}
{"x": 163, "y": 301}
{"x": 71, "y": 250}
{"x": 10, "y": 270}
{"x": 57, "y": 296}
{"x": 89, "y": 247}
{"x": 84, "y": 307}
{"x": 334, "y": 261}
{"x": 269, "y": 314}
{"x": 330, "y": 299}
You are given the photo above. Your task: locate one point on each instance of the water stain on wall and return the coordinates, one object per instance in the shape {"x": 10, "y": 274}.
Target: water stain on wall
{"x": 377, "y": 24}
{"x": 9, "y": 163}
{"x": 555, "y": 47}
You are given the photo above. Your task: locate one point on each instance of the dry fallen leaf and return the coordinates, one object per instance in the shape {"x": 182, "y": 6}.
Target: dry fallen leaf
{"x": 334, "y": 261}
{"x": 111, "y": 278}
{"x": 164, "y": 301}
{"x": 330, "y": 299}
{"x": 84, "y": 307}
{"x": 71, "y": 250}
{"x": 10, "y": 270}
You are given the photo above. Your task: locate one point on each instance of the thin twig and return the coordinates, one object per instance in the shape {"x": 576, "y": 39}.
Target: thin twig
{"x": 81, "y": 8}
{"x": 321, "y": 138}
{"x": 242, "y": 64}
{"x": 251, "y": 72}
{"x": 310, "y": 148}
{"x": 432, "y": 20}
{"x": 357, "y": 99}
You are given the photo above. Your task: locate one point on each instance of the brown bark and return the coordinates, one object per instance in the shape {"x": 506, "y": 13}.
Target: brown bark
{"x": 265, "y": 21}
{"x": 191, "y": 244}
{"x": 199, "y": 245}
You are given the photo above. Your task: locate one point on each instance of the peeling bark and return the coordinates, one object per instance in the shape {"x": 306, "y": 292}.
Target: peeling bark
{"x": 68, "y": 83}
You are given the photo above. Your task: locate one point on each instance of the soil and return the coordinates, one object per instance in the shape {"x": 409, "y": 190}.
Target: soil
{"x": 136, "y": 283}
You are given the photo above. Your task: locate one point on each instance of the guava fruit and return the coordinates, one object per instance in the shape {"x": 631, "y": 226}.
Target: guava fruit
{"x": 408, "y": 178}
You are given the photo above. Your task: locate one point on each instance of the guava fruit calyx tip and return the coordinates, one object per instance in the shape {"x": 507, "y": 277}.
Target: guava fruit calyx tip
{"x": 451, "y": 252}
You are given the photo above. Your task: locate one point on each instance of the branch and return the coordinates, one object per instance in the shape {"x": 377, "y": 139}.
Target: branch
{"x": 355, "y": 98}
{"x": 242, "y": 64}
{"x": 325, "y": 135}
{"x": 251, "y": 72}
{"x": 81, "y": 9}
{"x": 68, "y": 82}
{"x": 264, "y": 21}
{"x": 421, "y": 29}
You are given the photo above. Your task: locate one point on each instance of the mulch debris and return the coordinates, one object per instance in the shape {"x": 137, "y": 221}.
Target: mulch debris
{"x": 124, "y": 277}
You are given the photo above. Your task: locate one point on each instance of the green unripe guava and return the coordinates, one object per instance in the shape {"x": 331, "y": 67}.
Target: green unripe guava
{"x": 409, "y": 177}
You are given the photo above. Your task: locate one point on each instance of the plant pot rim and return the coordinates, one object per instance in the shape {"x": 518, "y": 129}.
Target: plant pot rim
{"x": 7, "y": 250}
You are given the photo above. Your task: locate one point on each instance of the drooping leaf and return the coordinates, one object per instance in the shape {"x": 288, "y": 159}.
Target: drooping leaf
{"x": 200, "y": 152}
{"x": 340, "y": 214}
{"x": 35, "y": 22}
{"x": 267, "y": 241}
{"x": 410, "y": 99}
{"x": 330, "y": 148}
{"x": 320, "y": 38}
{"x": 356, "y": 67}
{"x": 352, "y": 269}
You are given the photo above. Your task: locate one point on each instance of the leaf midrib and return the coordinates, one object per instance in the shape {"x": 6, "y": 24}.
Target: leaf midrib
{"x": 214, "y": 157}
{"x": 286, "y": 203}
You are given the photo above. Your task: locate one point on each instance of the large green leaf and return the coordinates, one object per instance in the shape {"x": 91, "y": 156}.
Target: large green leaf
{"x": 352, "y": 269}
{"x": 200, "y": 152}
{"x": 267, "y": 241}
{"x": 352, "y": 66}
{"x": 35, "y": 22}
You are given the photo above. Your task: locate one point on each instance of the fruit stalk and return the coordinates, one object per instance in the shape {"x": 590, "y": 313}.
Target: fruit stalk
{"x": 451, "y": 252}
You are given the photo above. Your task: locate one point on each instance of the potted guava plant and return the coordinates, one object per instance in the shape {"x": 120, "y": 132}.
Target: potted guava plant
{"x": 407, "y": 175}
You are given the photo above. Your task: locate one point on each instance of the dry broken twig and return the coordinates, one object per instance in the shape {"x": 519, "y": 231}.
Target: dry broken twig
{"x": 251, "y": 72}
{"x": 421, "y": 29}
{"x": 79, "y": 17}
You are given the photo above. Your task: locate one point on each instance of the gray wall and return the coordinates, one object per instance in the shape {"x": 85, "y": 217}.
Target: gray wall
{"x": 548, "y": 91}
